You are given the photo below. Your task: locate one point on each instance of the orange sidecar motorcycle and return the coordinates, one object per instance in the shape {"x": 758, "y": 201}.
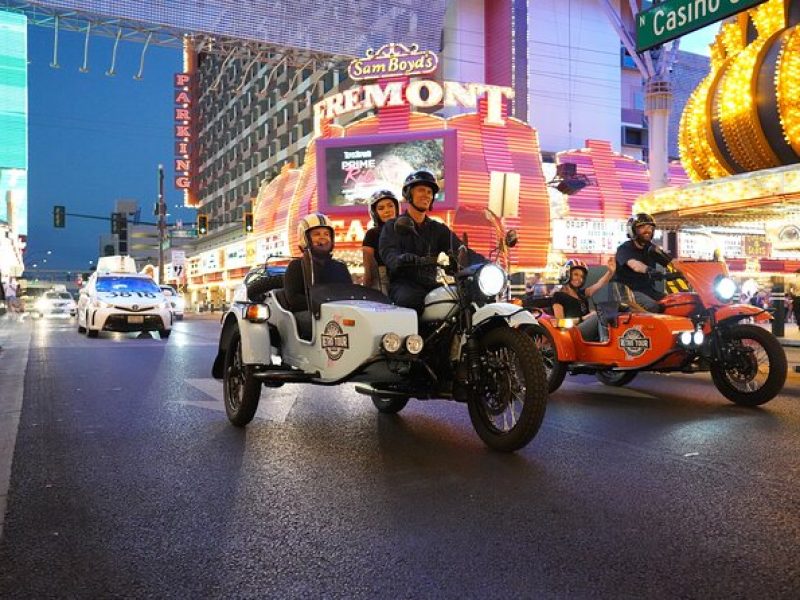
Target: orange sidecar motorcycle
{"x": 698, "y": 330}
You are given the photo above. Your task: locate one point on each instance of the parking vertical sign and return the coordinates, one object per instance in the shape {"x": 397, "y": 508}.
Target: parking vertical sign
{"x": 178, "y": 264}
{"x": 674, "y": 18}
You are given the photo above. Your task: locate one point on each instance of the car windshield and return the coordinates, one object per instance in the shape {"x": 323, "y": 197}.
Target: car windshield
{"x": 126, "y": 284}
{"x": 58, "y": 296}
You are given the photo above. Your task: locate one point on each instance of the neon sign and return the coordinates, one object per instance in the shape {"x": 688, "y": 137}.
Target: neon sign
{"x": 393, "y": 60}
{"x": 421, "y": 93}
{"x": 183, "y": 135}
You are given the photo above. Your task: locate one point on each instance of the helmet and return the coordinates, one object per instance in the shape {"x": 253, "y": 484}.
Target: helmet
{"x": 377, "y": 197}
{"x": 569, "y": 267}
{"x": 636, "y": 220}
{"x": 420, "y": 177}
{"x": 310, "y": 222}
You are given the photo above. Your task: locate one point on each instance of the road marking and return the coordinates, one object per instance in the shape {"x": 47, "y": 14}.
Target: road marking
{"x": 276, "y": 407}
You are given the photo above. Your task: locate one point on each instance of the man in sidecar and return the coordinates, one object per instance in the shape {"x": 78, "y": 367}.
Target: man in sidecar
{"x": 410, "y": 252}
{"x": 636, "y": 262}
{"x": 316, "y": 267}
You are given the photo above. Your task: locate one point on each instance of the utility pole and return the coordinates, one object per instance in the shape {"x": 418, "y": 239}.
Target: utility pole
{"x": 162, "y": 224}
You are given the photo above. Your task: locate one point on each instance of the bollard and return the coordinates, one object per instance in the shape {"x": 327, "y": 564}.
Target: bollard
{"x": 777, "y": 299}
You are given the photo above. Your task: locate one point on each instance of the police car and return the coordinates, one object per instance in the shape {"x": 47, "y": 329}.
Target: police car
{"x": 116, "y": 298}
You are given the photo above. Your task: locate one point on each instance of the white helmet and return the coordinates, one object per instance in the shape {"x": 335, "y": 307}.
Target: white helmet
{"x": 309, "y": 222}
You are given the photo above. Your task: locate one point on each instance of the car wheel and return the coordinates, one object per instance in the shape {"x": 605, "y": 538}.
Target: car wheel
{"x": 164, "y": 333}
{"x": 81, "y": 328}
{"x": 92, "y": 333}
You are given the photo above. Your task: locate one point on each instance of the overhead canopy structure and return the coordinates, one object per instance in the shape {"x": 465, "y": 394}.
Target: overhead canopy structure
{"x": 295, "y": 31}
{"x": 768, "y": 195}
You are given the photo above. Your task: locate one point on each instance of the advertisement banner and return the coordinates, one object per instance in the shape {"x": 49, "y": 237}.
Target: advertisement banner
{"x": 588, "y": 236}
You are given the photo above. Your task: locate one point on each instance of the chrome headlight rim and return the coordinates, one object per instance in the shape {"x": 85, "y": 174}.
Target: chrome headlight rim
{"x": 414, "y": 344}
{"x": 491, "y": 279}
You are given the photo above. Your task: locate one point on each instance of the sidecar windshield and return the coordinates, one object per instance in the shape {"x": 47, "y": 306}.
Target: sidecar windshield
{"x": 331, "y": 292}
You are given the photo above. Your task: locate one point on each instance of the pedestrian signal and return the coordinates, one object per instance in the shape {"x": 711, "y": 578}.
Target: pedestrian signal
{"x": 59, "y": 216}
{"x": 202, "y": 224}
{"x": 248, "y": 222}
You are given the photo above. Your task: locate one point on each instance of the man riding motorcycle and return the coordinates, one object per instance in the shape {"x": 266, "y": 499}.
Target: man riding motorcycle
{"x": 410, "y": 252}
{"x": 637, "y": 259}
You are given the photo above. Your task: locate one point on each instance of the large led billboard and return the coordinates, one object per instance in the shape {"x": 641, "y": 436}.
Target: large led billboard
{"x": 341, "y": 27}
{"x": 13, "y": 91}
{"x": 351, "y": 169}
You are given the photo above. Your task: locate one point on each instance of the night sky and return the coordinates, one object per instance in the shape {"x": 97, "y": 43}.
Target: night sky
{"x": 95, "y": 139}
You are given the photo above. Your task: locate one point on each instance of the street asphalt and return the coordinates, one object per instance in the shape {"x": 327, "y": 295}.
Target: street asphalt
{"x": 129, "y": 482}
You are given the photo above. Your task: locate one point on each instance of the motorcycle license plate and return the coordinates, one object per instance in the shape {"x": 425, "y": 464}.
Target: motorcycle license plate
{"x": 135, "y": 319}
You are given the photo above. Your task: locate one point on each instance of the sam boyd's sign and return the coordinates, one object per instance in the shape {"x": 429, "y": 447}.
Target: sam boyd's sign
{"x": 674, "y": 18}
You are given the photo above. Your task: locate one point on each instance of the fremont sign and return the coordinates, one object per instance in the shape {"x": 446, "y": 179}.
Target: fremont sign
{"x": 674, "y": 18}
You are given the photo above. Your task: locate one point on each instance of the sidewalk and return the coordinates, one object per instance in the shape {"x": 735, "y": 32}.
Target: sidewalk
{"x": 791, "y": 334}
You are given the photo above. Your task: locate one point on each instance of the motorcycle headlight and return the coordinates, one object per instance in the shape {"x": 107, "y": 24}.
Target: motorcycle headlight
{"x": 491, "y": 280}
{"x": 686, "y": 338}
{"x": 698, "y": 337}
{"x": 391, "y": 342}
{"x": 724, "y": 288}
{"x": 414, "y": 344}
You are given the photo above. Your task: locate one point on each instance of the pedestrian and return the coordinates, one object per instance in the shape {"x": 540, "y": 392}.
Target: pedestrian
{"x": 796, "y": 309}
{"x": 2, "y": 297}
{"x": 11, "y": 296}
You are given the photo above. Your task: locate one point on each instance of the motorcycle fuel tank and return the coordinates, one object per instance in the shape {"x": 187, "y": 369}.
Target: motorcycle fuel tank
{"x": 439, "y": 303}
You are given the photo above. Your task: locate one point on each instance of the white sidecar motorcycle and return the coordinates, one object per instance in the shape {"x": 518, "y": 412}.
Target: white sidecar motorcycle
{"x": 465, "y": 347}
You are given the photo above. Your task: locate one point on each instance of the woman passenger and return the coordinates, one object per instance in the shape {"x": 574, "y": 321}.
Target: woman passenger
{"x": 383, "y": 206}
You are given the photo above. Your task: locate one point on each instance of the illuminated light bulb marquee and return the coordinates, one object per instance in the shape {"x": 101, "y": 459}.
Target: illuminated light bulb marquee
{"x": 744, "y": 115}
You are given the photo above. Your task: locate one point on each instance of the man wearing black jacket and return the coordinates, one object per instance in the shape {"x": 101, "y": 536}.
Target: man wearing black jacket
{"x": 315, "y": 234}
{"x": 410, "y": 252}
{"x": 637, "y": 259}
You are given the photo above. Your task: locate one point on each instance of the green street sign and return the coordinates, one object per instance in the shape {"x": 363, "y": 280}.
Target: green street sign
{"x": 674, "y": 18}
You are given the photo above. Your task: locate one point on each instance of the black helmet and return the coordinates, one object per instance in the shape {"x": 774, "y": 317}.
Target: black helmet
{"x": 420, "y": 177}
{"x": 637, "y": 220}
{"x": 377, "y": 197}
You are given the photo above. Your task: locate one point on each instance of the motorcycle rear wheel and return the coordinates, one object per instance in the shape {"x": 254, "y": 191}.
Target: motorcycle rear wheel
{"x": 389, "y": 406}
{"x": 241, "y": 392}
{"x": 741, "y": 379}
{"x": 508, "y": 407}
{"x": 616, "y": 378}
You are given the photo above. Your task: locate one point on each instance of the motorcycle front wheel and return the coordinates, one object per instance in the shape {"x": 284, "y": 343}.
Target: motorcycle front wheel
{"x": 754, "y": 366}
{"x": 241, "y": 392}
{"x": 508, "y": 404}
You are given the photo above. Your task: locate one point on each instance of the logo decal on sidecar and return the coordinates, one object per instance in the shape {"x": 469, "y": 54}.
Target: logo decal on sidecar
{"x": 334, "y": 341}
{"x": 634, "y": 342}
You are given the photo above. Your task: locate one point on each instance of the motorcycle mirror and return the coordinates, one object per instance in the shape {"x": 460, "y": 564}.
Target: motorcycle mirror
{"x": 511, "y": 238}
{"x": 404, "y": 225}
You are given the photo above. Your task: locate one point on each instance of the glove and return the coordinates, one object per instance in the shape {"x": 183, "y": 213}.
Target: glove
{"x": 655, "y": 274}
{"x": 408, "y": 259}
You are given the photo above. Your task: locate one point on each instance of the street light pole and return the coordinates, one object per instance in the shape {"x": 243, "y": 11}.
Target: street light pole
{"x": 162, "y": 224}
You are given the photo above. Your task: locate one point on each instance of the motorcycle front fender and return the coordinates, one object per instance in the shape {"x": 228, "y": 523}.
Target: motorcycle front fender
{"x": 736, "y": 312}
{"x": 515, "y": 315}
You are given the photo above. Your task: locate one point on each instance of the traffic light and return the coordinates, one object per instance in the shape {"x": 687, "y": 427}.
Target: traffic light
{"x": 248, "y": 222}
{"x": 202, "y": 224}
{"x": 59, "y": 216}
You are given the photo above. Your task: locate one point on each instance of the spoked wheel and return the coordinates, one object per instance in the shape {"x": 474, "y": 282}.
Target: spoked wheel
{"x": 754, "y": 365}
{"x": 389, "y": 406}
{"x": 508, "y": 407}
{"x": 241, "y": 392}
{"x": 554, "y": 370}
{"x": 616, "y": 378}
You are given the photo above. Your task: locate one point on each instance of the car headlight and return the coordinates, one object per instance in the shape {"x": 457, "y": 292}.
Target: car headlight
{"x": 724, "y": 288}
{"x": 97, "y": 303}
{"x": 491, "y": 279}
